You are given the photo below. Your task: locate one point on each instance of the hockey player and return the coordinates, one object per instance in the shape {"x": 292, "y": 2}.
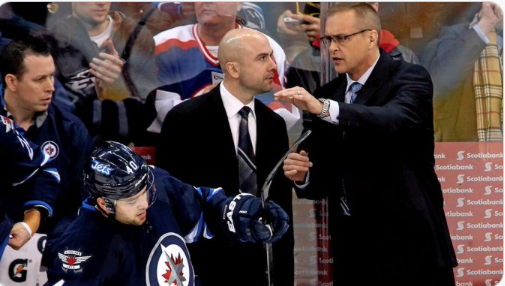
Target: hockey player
{"x": 24, "y": 164}
{"x": 134, "y": 227}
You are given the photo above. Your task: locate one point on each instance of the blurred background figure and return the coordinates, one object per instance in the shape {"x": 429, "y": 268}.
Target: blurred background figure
{"x": 106, "y": 63}
{"x": 161, "y": 16}
{"x": 466, "y": 62}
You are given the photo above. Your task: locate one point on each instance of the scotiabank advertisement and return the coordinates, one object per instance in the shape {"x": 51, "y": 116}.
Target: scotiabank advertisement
{"x": 471, "y": 175}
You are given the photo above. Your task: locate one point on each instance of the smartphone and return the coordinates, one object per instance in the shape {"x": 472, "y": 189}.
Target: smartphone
{"x": 291, "y": 23}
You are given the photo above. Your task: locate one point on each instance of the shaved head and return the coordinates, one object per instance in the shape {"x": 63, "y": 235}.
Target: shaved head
{"x": 248, "y": 63}
{"x": 235, "y": 44}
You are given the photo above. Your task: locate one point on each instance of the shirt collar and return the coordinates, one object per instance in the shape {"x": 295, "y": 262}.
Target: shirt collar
{"x": 231, "y": 104}
{"x": 40, "y": 117}
{"x": 362, "y": 80}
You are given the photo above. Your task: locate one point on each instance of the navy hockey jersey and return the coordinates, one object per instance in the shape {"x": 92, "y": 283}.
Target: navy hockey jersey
{"x": 98, "y": 251}
{"x": 65, "y": 139}
{"x": 24, "y": 164}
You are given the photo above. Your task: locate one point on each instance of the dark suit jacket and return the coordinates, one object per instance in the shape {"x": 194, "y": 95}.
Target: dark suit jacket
{"x": 196, "y": 146}
{"x": 452, "y": 71}
{"x": 382, "y": 152}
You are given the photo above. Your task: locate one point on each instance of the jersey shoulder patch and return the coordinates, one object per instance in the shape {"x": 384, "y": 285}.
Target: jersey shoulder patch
{"x": 72, "y": 259}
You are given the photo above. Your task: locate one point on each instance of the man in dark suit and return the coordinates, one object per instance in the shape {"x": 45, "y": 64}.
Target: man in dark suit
{"x": 372, "y": 156}
{"x": 201, "y": 143}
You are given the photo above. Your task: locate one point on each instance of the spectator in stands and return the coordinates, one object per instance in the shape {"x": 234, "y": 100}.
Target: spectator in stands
{"x": 167, "y": 15}
{"x": 158, "y": 16}
{"x": 28, "y": 79}
{"x": 465, "y": 62}
{"x": 305, "y": 69}
{"x": 106, "y": 63}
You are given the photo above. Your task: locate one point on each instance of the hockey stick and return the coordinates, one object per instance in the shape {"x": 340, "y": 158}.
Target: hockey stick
{"x": 265, "y": 194}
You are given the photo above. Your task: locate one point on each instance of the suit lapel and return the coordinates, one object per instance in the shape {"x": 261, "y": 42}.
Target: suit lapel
{"x": 262, "y": 143}
{"x": 377, "y": 78}
{"x": 223, "y": 134}
{"x": 339, "y": 94}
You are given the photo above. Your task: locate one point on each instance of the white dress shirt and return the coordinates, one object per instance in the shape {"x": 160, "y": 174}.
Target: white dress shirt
{"x": 232, "y": 106}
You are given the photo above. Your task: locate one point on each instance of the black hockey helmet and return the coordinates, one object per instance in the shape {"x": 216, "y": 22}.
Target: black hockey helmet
{"x": 113, "y": 171}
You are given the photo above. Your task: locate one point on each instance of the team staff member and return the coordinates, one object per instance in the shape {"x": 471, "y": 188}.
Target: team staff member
{"x": 24, "y": 165}
{"x": 188, "y": 65}
{"x": 218, "y": 117}
{"x": 372, "y": 156}
{"x": 28, "y": 69}
{"x": 134, "y": 227}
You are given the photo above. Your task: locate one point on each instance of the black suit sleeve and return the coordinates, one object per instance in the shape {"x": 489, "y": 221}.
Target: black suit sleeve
{"x": 408, "y": 106}
{"x": 170, "y": 146}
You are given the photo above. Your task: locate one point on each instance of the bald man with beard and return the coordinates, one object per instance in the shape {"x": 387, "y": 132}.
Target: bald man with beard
{"x": 206, "y": 129}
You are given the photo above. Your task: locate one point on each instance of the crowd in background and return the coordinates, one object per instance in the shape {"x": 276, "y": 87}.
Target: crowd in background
{"x": 155, "y": 77}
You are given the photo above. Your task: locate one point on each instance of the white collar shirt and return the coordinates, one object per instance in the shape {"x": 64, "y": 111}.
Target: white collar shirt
{"x": 334, "y": 107}
{"x": 232, "y": 106}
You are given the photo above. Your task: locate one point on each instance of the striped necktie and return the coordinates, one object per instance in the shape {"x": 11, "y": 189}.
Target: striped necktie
{"x": 245, "y": 156}
{"x": 354, "y": 88}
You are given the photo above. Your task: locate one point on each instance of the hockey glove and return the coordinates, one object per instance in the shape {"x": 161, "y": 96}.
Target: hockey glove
{"x": 243, "y": 219}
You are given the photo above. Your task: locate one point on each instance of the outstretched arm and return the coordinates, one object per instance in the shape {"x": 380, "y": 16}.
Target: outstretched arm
{"x": 239, "y": 218}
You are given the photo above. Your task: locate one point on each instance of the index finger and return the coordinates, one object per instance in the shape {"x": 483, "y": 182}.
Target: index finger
{"x": 298, "y": 157}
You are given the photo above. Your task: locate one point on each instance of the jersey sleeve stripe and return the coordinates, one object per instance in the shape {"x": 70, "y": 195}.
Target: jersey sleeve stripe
{"x": 39, "y": 204}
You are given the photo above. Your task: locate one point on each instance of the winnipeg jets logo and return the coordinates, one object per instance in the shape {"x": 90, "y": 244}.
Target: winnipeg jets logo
{"x": 101, "y": 168}
{"x": 51, "y": 149}
{"x": 72, "y": 259}
{"x": 174, "y": 274}
{"x": 169, "y": 263}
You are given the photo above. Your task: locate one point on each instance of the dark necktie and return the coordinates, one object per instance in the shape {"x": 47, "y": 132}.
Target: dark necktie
{"x": 355, "y": 87}
{"x": 246, "y": 167}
